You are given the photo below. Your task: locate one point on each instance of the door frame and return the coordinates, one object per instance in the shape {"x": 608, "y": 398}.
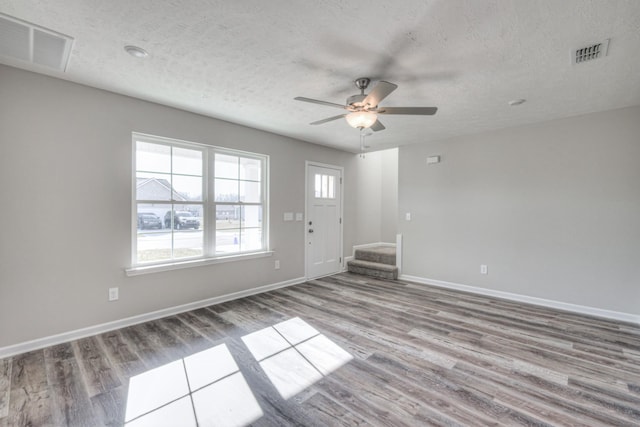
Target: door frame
{"x": 308, "y": 163}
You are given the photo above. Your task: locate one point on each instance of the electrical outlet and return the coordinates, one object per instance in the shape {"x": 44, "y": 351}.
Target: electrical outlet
{"x": 113, "y": 294}
{"x": 277, "y": 264}
{"x": 484, "y": 269}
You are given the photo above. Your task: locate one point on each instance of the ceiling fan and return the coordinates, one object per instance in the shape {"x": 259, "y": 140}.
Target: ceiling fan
{"x": 363, "y": 109}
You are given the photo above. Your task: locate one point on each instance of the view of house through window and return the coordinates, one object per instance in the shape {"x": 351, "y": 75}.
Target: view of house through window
{"x": 195, "y": 201}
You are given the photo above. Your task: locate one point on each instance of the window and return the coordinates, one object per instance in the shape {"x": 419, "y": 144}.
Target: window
{"x": 193, "y": 201}
{"x": 325, "y": 187}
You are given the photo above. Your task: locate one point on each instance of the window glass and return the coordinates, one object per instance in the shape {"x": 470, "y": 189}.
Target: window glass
{"x": 250, "y": 169}
{"x": 331, "y": 188}
{"x": 227, "y": 240}
{"x": 252, "y": 216}
{"x": 251, "y": 239}
{"x": 187, "y": 188}
{"x": 318, "y": 185}
{"x": 250, "y": 192}
{"x": 226, "y": 166}
{"x": 226, "y": 190}
{"x": 153, "y": 241}
{"x": 153, "y": 186}
{"x": 187, "y": 162}
{"x": 153, "y": 157}
{"x": 324, "y": 186}
{"x": 188, "y": 236}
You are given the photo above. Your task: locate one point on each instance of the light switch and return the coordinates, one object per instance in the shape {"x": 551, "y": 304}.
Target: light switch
{"x": 433, "y": 159}
{"x": 288, "y": 216}
{"x": 299, "y": 216}
{"x": 407, "y": 216}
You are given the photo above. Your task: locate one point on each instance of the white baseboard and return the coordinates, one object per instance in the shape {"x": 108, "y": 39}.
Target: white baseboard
{"x": 581, "y": 309}
{"x": 39, "y": 343}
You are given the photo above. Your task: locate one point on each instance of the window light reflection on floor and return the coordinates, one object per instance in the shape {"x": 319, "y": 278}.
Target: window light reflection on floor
{"x": 208, "y": 388}
{"x": 294, "y": 355}
{"x": 207, "y": 385}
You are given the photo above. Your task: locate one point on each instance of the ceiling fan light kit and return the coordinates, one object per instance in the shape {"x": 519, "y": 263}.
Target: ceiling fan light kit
{"x": 361, "y": 119}
{"x": 363, "y": 109}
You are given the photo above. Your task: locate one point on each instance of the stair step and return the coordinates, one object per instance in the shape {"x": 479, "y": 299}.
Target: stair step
{"x": 373, "y": 269}
{"x": 379, "y": 254}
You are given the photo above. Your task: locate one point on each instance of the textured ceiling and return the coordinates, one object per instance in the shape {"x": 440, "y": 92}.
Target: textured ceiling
{"x": 244, "y": 61}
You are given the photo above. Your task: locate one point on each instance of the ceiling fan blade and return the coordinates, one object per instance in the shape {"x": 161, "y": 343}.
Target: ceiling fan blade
{"x": 377, "y": 126}
{"x": 330, "y": 119}
{"x": 317, "y": 101}
{"x": 378, "y": 93}
{"x": 415, "y": 111}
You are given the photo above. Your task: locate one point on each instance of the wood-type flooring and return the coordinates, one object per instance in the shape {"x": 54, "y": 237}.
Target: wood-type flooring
{"x": 419, "y": 356}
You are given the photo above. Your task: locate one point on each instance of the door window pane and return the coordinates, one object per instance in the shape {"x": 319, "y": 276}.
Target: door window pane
{"x": 331, "y": 187}
{"x": 324, "y": 186}
{"x": 318, "y": 185}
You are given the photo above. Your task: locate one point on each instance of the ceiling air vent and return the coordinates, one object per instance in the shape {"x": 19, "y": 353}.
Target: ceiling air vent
{"x": 589, "y": 53}
{"x": 25, "y": 42}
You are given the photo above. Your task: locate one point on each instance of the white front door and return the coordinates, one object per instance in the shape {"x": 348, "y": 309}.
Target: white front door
{"x": 323, "y": 226}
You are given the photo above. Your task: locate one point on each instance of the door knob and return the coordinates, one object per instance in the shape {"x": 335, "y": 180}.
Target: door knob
{"x": 311, "y": 230}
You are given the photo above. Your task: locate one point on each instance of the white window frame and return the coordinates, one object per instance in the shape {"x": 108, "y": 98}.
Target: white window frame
{"x": 208, "y": 208}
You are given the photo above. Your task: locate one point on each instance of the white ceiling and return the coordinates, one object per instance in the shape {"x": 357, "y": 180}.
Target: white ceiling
{"x": 244, "y": 61}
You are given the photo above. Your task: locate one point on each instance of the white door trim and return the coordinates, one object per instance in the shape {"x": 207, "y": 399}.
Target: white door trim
{"x": 306, "y": 213}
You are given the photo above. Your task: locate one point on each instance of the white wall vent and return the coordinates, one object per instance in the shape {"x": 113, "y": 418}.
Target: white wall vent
{"x": 589, "y": 53}
{"x": 22, "y": 41}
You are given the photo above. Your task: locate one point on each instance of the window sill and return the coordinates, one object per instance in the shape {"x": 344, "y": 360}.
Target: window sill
{"x": 157, "y": 268}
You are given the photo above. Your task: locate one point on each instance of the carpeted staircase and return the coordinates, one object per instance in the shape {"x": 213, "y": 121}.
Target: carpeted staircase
{"x": 378, "y": 261}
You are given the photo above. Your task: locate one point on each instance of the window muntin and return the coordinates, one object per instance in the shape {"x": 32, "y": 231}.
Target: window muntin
{"x": 210, "y": 201}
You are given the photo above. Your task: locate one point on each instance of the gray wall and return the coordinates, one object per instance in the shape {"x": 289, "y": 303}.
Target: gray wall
{"x": 553, "y": 209}
{"x": 389, "y": 196}
{"x": 65, "y": 170}
{"x": 376, "y": 197}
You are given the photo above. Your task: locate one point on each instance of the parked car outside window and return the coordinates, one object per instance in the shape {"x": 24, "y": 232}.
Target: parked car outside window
{"x": 148, "y": 220}
{"x": 181, "y": 220}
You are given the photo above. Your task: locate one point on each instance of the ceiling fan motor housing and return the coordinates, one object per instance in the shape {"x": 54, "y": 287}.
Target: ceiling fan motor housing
{"x": 356, "y": 101}
{"x": 362, "y": 83}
